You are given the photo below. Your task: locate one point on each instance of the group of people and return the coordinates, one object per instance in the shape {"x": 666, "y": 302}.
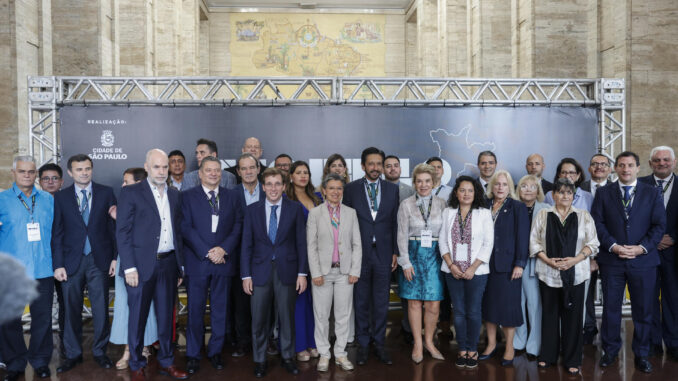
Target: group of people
{"x": 280, "y": 260}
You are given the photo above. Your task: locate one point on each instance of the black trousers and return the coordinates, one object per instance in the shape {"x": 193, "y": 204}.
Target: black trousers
{"x": 590, "y": 311}
{"x": 39, "y": 351}
{"x": 561, "y": 327}
{"x": 241, "y": 313}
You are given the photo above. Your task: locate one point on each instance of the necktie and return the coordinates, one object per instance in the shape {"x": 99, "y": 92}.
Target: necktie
{"x": 660, "y": 185}
{"x": 373, "y": 196}
{"x": 334, "y": 217}
{"x": 273, "y": 224}
{"x": 485, "y": 186}
{"x": 627, "y": 197}
{"x": 84, "y": 211}
{"x": 213, "y": 203}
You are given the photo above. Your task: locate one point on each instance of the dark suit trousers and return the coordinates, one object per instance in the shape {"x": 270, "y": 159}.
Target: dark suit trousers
{"x": 61, "y": 315}
{"x": 560, "y": 327}
{"x": 641, "y": 283}
{"x": 370, "y": 298}
{"x": 161, "y": 288}
{"x": 219, "y": 290}
{"x": 242, "y": 313}
{"x": 262, "y": 304}
{"x": 39, "y": 352}
{"x": 590, "y": 310}
{"x": 665, "y": 319}
{"x": 73, "y": 289}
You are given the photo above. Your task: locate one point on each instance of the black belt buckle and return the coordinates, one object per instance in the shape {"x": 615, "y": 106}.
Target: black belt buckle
{"x": 164, "y": 255}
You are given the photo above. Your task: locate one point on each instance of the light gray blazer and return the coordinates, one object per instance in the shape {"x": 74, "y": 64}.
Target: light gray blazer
{"x": 320, "y": 241}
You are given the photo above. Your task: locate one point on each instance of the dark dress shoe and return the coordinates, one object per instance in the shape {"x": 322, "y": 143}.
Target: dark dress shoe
{"x": 290, "y": 366}
{"x": 673, "y": 353}
{"x": 351, "y": 344}
{"x": 138, "y": 375}
{"x": 488, "y": 356}
{"x": 361, "y": 358}
{"x": 69, "y": 364}
{"x": 12, "y": 375}
{"x": 173, "y": 372}
{"x": 192, "y": 365}
{"x": 103, "y": 362}
{"x": 383, "y": 356}
{"x": 43, "y": 372}
{"x": 656, "y": 350}
{"x": 643, "y": 364}
{"x": 505, "y": 362}
{"x": 607, "y": 360}
{"x": 216, "y": 362}
{"x": 259, "y": 369}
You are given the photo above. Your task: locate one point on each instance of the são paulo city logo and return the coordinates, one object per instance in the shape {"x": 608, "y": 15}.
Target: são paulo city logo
{"x": 107, "y": 151}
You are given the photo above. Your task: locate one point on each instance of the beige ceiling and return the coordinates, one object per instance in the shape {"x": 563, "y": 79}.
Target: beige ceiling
{"x": 317, "y": 4}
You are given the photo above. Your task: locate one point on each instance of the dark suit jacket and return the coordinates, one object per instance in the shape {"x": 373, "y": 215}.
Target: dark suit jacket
{"x": 671, "y": 211}
{"x": 546, "y": 186}
{"x": 645, "y": 226}
{"x": 196, "y": 229}
{"x": 238, "y": 179}
{"x": 385, "y": 227}
{"x": 585, "y": 185}
{"x": 257, "y": 250}
{"x": 511, "y": 237}
{"x": 138, "y": 228}
{"x": 69, "y": 230}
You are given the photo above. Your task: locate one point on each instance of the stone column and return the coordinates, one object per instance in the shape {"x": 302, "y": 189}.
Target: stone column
{"x": 490, "y": 38}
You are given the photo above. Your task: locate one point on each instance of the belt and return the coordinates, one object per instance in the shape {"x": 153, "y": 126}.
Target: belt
{"x": 419, "y": 239}
{"x": 164, "y": 255}
{"x": 336, "y": 264}
{"x": 374, "y": 244}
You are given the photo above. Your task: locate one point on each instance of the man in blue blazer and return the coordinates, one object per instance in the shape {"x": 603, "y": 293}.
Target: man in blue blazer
{"x": 376, "y": 204}
{"x": 149, "y": 243}
{"x": 273, "y": 267}
{"x": 83, "y": 248}
{"x": 630, "y": 221}
{"x": 665, "y": 319}
{"x": 211, "y": 227}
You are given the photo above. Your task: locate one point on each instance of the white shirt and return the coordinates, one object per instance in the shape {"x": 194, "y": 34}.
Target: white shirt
{"x": 667, "y": 181}
{"x": 208, "y": 190}
{"x": 595, "y": 185}
{"x": 483, "y": 183}
{"x": 482, "y": 238}
{"x": 632, "y": 191}
{"x": 442, "y": 191}
{"x": 166, "y": 234}
{"x": 78, "y": 194}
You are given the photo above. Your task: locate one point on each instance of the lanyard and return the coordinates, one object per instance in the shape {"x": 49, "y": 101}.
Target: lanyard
{"x": 496, "y": 214}
{"x": 215, "y": 207}
{"x": 373, "y": 197}
{"x": 439, "y": 189}
{"x": 82, "y": 207}
{"x": 668, "y": 184}
{"x": 32, "y": 208}
{"x": 426, "y": 215}
{"x": 462, "y": 224}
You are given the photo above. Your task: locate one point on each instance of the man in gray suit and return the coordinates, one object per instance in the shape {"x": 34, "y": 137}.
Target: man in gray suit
{"x": 205, "y": 147}
{"x": 392, "y": 173}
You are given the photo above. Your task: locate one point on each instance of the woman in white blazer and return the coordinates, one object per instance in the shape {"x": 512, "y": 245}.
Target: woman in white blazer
{"x": 466, "y": 240}
{"x": 334, "y": 259}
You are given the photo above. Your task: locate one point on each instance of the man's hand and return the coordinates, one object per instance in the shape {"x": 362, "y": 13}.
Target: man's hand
{"x": 301, "y": 284}
{"x": 217, "y": 255}
{"x": 594, "y": 265}
{"x": 666, "y": 242}
{"x": 318, "y": 281}
{"x": 352, "y": 279}
{"x": 111, "y": 268}
{"x": 247, "y": 286}
{"x": 179, "y": 281}
{"x": 60, "y": 274}
{"x": 517, "y": 273}
{"x": 113, "y": 212}
{"x": 394, "y": 262}
{"x": 628, "y": 251}
{"x": 132, "y": 278}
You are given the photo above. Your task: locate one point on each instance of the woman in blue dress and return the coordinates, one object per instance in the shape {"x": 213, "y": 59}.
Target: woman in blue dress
{"x": 420, "y": 218}
{"x": 300, "y": 188}
{"x": 120, "y": 307}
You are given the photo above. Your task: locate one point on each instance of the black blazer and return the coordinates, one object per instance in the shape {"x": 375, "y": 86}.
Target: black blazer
{"x": 69, "y": 230}
{"x": 138, "y": 228}
{"x": 385, "y": 227}
{"x": 511, "y": 237}
{"x": 671, "y": 211}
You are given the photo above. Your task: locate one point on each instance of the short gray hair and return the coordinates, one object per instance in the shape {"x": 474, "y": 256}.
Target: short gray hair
{"x": 246, "y": 155}
{"x": 662, "y": 148}
{"x": 26, "y": 158}
{"x": 332, "y": 177}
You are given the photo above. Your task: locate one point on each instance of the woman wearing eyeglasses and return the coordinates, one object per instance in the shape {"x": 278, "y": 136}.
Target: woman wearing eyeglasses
{"x": 570, "y": 169}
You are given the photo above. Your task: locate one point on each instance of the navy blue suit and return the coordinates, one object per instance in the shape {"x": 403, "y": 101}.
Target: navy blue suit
{"x": 201, "y": 273}
{"x": 644, "y": 226}
{"x": 69, "y": 233}
{"x": 379, "y": 244}
{"x": 138, "y": 236}
{"x": 274, "y": 268}
{"x": 665, "y": 319}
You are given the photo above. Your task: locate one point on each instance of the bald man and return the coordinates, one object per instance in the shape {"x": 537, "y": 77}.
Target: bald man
{"x": 149, "y": 244}
{"x": 534, "y": 165}
{"x": 252, "y": 146}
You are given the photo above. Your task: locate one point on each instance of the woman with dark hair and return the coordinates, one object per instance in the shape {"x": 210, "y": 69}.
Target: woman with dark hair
{"x": 336, "y": 164}
{"x": 466, "y": 239}
{"x": 563, "y": 238}
{"x": 570, "y": 169}
{"x": 299, "y": 188}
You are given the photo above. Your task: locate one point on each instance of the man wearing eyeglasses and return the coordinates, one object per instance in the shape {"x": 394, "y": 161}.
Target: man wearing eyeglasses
{"x": 599, "y": 168}
{"x": 50, "y": 178}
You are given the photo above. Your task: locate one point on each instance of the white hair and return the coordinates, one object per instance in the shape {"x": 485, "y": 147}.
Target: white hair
{"x": 25, "y": 158}
{"x": 662, "y": 148}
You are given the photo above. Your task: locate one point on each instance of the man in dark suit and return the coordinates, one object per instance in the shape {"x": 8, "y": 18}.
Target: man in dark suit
{"x": 630, "y": 221}
{"x": 273, "y": 267}
{"x": 534, "y": 165}
{"x": 203, "y": 149}
{"x": 249, "y": 192}
{"x": 665, "y": 319}
{"x": 252, "y": 146}
{"x": 83, "y": 248}
{"x": 376, "y": 203}
{"x": 149, "y": 243}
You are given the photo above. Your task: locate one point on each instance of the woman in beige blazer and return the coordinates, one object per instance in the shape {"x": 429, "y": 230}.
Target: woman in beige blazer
{"x": 334, "y": 258}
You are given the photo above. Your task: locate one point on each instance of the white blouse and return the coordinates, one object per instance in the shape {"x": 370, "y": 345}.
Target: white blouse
{"x": 482, "y": 237}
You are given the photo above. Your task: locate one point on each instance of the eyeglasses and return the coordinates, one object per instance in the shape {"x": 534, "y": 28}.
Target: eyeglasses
{"x": 50, "y": 179}
{"x": 565, "y": 173}
{"x": 600, "y": 165}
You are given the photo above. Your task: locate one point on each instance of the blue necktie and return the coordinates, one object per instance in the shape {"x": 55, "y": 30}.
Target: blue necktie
{"x": 373, "y": 196}
{"x": 627, "y": 198}
{"x": 84, "y": 210}
{"x": 660, "y": 185}
{"x": 273, "y": 224}
{"x": 214, "y": 204}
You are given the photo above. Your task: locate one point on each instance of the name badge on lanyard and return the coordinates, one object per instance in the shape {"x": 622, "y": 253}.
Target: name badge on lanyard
{"x": 427, "y": 238}
{"x": 33, "y": 231}
{"x": 215, "y": 223}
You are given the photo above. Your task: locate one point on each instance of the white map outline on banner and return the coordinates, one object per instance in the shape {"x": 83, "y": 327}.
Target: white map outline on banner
{"x": 469, "y": 145}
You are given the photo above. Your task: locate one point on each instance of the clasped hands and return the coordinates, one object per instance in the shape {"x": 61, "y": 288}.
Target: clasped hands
{"x": 217, "y": 255}
{"x": 628, "y": 251}
{"x": 457, "y": 273}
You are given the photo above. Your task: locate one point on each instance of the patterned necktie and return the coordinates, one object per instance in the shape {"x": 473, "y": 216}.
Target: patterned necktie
{"x": 660, "y": 185}
{"x": 334, "y": 217}
{"x": 214, "y": 204}
{"x": 627, "y": 198}
{"x": 273, "y": 224}
{"x": 373, "y": 196}
{"x": 84, "y": 211}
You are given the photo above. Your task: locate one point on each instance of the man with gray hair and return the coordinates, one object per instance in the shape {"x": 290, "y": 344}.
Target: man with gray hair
{"x": 252, "y": 146}
{"x": 665, "y": 318}
{"x": 26, "y": 216}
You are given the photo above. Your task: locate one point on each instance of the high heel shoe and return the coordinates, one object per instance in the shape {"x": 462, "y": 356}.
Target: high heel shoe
{"x": 417, "y": 359}
{"x": 484, "y": 357}
{"x": 123, "y": 363}
{"x": 437, "y": 356}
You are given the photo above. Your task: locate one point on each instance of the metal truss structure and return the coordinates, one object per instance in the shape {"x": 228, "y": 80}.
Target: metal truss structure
{"x": 47, "y": 95}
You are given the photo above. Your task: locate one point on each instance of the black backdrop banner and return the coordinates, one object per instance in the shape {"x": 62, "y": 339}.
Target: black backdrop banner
{"x": 117, "y": 137}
